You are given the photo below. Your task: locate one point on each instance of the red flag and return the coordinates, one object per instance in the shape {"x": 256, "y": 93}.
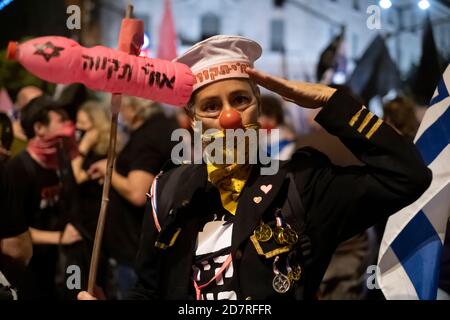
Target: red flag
{"x": 167, "y": 42}
{"x": 6, "y": 104}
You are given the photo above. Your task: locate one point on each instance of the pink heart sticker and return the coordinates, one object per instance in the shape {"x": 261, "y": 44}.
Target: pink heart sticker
{"x": 257, "y": 200}
{"x": 266, "y": 189}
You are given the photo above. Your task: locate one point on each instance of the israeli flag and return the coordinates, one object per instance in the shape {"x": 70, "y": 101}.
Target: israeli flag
{"x": 410, "y": 252}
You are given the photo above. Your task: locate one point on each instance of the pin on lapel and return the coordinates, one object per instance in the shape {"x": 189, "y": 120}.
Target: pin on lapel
{"x": 257, "y": 200}
{"x": 266, "y": 188}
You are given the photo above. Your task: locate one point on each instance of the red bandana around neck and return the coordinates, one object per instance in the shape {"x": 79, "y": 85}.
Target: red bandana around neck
{"x": 45, "y": 149}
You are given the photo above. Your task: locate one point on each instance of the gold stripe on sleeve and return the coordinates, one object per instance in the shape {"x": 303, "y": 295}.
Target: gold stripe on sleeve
{"x": 365, "y": 122}
{"x": 374, "y": 129}
{"x": 355, "y": 117}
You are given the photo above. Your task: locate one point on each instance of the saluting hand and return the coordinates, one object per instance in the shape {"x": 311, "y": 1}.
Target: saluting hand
{"x": 308, "y": 95}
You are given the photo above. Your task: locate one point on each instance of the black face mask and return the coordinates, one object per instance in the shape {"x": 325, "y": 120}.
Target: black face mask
{"x": 79, "y": 134}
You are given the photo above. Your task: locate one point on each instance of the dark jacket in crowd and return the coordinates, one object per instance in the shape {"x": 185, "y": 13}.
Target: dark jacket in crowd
{"x": 338, "y": 203}
{"x": 148, "y": 148}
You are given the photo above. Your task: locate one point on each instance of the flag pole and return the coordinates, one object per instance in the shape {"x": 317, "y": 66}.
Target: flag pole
{"x": 116, "y": 100}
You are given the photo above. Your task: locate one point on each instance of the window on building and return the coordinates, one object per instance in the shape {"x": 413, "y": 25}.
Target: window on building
{"x": 210, "y": 25}
{"x": 277, "y": 35}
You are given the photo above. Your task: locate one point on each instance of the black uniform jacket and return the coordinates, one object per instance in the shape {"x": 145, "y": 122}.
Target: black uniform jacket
{"x": 338, "y": 202}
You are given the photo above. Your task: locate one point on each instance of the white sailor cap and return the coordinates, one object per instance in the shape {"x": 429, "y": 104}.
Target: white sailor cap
{"x": 220, "y": 57}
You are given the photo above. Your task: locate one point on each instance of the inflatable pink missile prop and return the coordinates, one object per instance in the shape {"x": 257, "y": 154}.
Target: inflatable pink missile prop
{"x": 62, "y": 60}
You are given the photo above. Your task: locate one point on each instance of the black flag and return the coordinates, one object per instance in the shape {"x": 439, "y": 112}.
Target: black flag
{"x": 332, "y": 59}
{"x": 426, "y": 77}
{"x": 376, "y": 73}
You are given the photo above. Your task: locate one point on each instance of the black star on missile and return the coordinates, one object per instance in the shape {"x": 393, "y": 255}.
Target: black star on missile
{"x": 48, "y": 50}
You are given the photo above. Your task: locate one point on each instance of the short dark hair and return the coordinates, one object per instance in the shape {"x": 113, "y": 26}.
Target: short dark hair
{"x": 272, "y": 107}
{"x": 401, "y": 114}
{"x": 37, "y": 110}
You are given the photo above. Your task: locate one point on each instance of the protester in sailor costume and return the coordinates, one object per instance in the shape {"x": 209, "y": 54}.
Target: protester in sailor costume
{"x": 227, "y": 231}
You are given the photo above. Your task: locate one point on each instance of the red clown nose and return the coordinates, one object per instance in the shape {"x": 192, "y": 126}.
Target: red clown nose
{"x": 230, "y": 119}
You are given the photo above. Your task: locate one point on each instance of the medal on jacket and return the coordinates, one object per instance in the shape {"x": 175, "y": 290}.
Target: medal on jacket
{"x": 279, "y": 235}
{"x": 293, "y": 273}
{"x": 280, "y": 282}
{"x": 283, "y": 233}
{"x": 290, "y": 236}
{"x": 263, "y": 233}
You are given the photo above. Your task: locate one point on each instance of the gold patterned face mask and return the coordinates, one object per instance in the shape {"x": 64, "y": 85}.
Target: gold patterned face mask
{"x": 220, "y": 149}
{"x": 229, "y": 178}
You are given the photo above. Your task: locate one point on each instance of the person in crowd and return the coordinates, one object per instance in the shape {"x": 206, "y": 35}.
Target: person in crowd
{"x": 70, "y": 97}
{"x": 148, "y": 148}
{"x": 84, "y": 193}
{"x": 93, "y": 127}
{"x": 6, "y": 137}
{"x": 15, "y": 240}
{"x": 24, "y": 96}
{"x": 33, "y": 190}
{"x": 401, "y": 115}
{"x": 227, "y": 231}
{"x": 16, "y": 247}
{"x": 272, "y": 117}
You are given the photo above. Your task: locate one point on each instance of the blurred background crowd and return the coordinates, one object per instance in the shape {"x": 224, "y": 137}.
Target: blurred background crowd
{"x": 393, "y": 70}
